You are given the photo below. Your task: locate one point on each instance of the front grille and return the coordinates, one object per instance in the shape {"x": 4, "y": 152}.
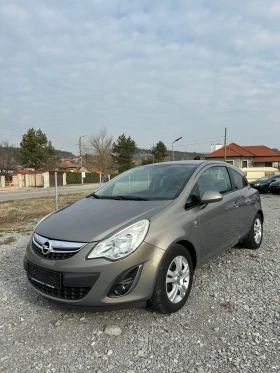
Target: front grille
{"x": 51, "y": 255}
{"x": 69, "y": 293}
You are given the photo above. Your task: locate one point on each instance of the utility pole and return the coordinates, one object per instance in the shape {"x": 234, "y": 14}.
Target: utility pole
{"x": 81, "y": 157}
{"x": 225, "y": 144}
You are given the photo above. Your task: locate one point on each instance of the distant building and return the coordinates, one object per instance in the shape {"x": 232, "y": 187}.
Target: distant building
{"x": 247, "y": 156}
{"x": 67, "y": 164}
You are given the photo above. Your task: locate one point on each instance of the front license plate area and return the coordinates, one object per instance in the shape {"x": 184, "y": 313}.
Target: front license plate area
{"x": 44, "y": 276}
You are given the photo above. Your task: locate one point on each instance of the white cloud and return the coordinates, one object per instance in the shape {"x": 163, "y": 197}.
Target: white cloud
{"x": 145, "y": 68}
{"x": 50, "y": 51}
{"x": 13, "y": 11}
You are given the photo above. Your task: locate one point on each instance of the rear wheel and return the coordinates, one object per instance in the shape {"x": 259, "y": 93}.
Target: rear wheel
{"x": 174, "y": 281}
{"x": 254, "y": 239}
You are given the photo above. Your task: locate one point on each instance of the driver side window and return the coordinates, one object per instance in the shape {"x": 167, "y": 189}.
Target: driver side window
{"x": 214, "y": 179}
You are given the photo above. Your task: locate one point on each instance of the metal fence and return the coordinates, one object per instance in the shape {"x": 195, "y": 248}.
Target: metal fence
{"x": 31, "y": 196}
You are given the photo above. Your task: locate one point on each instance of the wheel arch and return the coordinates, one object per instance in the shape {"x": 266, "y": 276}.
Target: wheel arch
{"x": 189, "y": 246}
{"x": 261, "y": 215}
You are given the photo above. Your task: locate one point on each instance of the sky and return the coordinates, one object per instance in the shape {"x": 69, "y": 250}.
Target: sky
{"x": 151, "y": 69}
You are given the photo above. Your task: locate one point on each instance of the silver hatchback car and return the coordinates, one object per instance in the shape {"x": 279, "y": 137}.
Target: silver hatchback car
{"x": 139, "y": 238}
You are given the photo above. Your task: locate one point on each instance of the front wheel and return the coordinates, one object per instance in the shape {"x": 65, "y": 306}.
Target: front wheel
{"x": 254, "y": 239}
{"x": 174, "y": 281}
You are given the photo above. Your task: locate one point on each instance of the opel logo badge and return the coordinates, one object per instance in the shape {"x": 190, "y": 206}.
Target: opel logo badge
{"x": 46, "y": 248}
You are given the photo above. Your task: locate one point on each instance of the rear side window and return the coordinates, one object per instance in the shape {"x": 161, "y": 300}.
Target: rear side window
{"x": 239, "y": 180}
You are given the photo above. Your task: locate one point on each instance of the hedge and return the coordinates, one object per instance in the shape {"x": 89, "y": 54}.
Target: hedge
{"x": 75, "y": 178}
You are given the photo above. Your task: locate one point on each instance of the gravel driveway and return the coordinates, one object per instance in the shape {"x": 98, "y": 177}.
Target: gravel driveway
{"x": 229, "y": 324}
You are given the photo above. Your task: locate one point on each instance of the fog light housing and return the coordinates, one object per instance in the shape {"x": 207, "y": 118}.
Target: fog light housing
{"x": 122, "y": 289}
{"x": 126, "y": 282}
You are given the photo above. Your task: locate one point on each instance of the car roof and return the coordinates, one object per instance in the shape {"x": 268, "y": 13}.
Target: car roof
{"x": 196, "y": 162}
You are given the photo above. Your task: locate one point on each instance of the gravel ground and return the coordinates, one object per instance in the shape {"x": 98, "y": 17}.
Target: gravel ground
{"x": 229, "y": 324}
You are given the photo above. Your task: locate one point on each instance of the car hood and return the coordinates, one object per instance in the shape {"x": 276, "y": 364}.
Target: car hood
{"x": 94, "y": 219}
{"x": 259, "y": 182}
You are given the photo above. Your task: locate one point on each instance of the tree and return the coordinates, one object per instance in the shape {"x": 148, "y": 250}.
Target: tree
{"x": 123, "y": 151}
{"x": 7, "y": 157}
{"x": 99, "y": 152}
{"x": 197, "y": 158}
{"x": 147, "y": 160}
{"x": 159, "y": 151}
{"x": 37, "y": 151}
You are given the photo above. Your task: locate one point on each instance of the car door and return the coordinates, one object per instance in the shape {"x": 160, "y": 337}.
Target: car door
{"x": 219, "y": 222}
{"x": 248, "y": 201}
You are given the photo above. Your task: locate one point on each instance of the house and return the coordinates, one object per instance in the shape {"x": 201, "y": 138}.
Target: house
{"x": 247, "y": 156}
{"x": 68, "y": 165}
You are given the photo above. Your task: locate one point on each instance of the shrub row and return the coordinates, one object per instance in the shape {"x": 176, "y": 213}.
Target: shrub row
{"x": 75, "y": 178}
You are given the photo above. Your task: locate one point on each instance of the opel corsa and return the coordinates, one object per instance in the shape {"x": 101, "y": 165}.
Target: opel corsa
{"x": 139, "y": 238}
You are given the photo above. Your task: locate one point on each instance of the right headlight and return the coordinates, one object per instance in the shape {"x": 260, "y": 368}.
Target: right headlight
{"x": 122, "y": 243}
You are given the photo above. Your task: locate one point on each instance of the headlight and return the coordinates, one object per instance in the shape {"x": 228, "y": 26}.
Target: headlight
{"x": 121, "y": 244}
{"x": 258, "y": 184}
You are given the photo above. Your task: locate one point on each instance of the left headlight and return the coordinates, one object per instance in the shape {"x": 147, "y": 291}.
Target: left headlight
{"x": 122, "y": 243}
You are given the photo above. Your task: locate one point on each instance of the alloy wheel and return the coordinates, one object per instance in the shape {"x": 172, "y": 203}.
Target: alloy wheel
{"x": 257, "y": 230}
{"x": 177, "y": 279}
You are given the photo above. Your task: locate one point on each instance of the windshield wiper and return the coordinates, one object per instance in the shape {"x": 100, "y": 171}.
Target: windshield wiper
{"x": 103, "y": 197}
{"x": 93, "y": 195}
{"x": 133, "y": 198}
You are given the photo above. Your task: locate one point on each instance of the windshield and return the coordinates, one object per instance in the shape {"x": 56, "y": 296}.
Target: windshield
{"x": 264, "y": 178}
{"x": 153, "y": 182}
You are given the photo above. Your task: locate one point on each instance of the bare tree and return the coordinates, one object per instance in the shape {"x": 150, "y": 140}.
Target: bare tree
{"x": 98, "y": 152}
{"x": 6, "y": 157}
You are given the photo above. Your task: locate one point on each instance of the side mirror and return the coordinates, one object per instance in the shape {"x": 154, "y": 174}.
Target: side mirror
{"x": 192, "y": 201}
{"x": 210, "y": 197}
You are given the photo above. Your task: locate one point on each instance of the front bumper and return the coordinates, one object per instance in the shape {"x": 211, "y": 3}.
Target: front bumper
{"x": 261, "y": 188}
{"x": 92, "y": 280}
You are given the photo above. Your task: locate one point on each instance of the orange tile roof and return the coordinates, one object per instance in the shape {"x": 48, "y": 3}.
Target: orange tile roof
{"x": 233, "y": 150}
{"x": 255, "y": 151}
{"x": 267, "y": 159}
{"x": 67, "y": 164}
{"x": 262, "y": 151}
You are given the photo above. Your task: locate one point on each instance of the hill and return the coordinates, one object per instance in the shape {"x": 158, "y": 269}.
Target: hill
{"x": 64, "y": 154}
{"x": 143, "y": 153}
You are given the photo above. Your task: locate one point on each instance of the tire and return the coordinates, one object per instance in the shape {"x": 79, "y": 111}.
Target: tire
{"x": 254, "y": 239}
{"x": 168, "y": 282}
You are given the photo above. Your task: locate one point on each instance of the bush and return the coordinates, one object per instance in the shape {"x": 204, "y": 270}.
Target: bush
{"x": 91, "y": 178}
{"x": 75, "y": 178}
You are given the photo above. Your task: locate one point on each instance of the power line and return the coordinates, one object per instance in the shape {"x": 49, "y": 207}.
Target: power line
{"x": 11, "y": 131}
{"x": 195, "y": 143}
{"x": 190, "y": 141}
